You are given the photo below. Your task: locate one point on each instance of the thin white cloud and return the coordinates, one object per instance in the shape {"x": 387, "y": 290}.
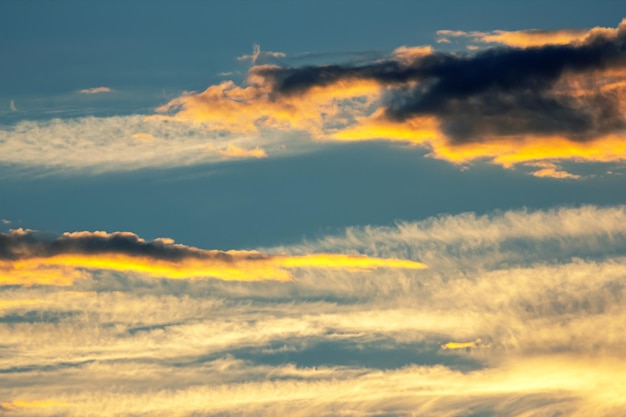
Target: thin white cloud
{"x": 257, "y": 54}
{"x": 95, "y": 90}
{"x": 12, "y": 106}
{"x": 100, "y": 144}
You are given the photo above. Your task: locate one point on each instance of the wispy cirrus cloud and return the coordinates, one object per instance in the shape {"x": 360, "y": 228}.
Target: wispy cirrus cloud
{"x": 506, "y": 322}
{"x": 257, "y": 55}
{"x": 125, "y": 143}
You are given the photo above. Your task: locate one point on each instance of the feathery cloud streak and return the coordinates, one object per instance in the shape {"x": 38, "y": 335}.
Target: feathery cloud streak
{"x": 529, "y": 330}
{"x": 124, "y": 143}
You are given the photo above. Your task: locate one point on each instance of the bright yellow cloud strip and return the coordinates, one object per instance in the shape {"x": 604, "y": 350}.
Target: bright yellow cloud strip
{"x": 609, "y": 148}
{"x": 11, "y": 304}
{"x": 63, "y": 270}
{"x": 22, "y": 404}
{"x": 478, "y": 343}
{"x": 31, "y": 273}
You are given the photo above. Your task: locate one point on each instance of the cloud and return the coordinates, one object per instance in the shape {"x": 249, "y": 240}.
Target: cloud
{"x": 12, "y": 106}
{"x": 436, "y": 391}
{"x": 558, "y": 99}
{"x": 124, "y": 143}
{"x": 550, "y": 170}
{"x": 96, "y": 90}
{"x": 550, "y": 102}
{"x": 478, "y": 343}
{"x": 522, "y": 38}
{"x": 532, "y": 286}
{"x": 19, "y": 404}
{"x": 233, "y": 151}
{"x": 28, "y": 258}
{"x": 258, "y": 55}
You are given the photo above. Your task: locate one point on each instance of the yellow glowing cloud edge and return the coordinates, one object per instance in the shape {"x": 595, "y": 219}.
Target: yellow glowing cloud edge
{"x": 63, "y": 269}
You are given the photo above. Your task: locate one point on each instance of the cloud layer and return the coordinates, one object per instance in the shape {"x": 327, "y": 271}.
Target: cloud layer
{"x": 103, "y": 144}
{"x": 520, "y": 313}
{"x": 537, "y": 98}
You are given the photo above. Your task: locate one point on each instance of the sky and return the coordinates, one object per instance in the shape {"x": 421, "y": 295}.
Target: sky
{"x": 355, "y": 208}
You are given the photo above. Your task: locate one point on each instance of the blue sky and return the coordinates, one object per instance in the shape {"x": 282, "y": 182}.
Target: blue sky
{"x": 312, "y": 208}
{"x": 150, "y": 52}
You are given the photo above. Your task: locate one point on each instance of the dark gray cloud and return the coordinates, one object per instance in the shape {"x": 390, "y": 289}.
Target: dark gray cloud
{"x": 27, "y": 244}
{"x": 499, "y": 91}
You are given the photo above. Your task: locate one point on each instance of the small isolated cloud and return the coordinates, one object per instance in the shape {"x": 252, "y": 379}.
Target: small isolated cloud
{"x": 12, "y": 106}
{"x": 257, "y": 55}
{"x": 96, "y": 90}
{"x": 550, "y": 170}
{"x": 5, "y": 221}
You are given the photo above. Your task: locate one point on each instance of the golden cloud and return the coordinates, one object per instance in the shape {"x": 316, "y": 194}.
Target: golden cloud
{"x": 575, "y": 113}
{"x": 33, "y": 260}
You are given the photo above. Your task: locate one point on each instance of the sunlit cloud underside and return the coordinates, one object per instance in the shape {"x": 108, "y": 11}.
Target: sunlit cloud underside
{"x": 518, "y": 313}
{"x": 528, "y": 98}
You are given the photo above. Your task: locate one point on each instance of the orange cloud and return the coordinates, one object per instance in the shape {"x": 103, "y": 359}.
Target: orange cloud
{"x": 529, "y": 38}
{"x": 61, "y": 261}
{"x": 246, "y": 110}
{"x": 519, "y": 38}
{"x": 533, "y": 37}
{"x": 550, "y": 170}
{"x": 499, "y": 113}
